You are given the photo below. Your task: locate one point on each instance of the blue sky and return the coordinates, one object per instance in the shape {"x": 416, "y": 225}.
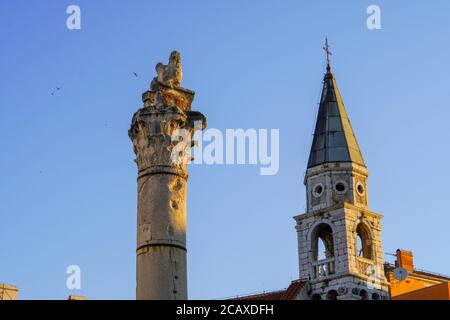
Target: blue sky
{"x": 67, "y": 176}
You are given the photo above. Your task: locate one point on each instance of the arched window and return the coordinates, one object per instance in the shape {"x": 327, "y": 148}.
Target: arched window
{"x": 332, "y": 295}
{"x": 363, "y": 294}
{"x": 363, "y": 242}
{"x": 316, "y": 297}
{"x": 375, "y": 296}
{"x": 322, "y": 242}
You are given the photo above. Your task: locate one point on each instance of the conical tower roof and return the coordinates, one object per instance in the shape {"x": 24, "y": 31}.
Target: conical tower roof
{"x": 334, "y": 140}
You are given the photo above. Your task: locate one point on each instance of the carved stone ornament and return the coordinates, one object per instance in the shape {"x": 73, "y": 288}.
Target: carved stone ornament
{"x": 165, "y": 121}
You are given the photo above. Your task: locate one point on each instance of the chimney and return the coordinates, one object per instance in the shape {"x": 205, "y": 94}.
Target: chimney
{"x": 8, "y": 292}
{"x": 405, "y": 260}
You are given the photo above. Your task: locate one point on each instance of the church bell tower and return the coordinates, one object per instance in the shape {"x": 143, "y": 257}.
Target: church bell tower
{"x": 339, "y": 238}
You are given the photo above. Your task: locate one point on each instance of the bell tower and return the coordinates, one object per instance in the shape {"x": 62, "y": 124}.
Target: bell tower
{"x": 339, "y": 238}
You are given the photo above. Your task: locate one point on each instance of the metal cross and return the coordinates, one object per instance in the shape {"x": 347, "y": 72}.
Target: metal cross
{"x": 327, "y": 51}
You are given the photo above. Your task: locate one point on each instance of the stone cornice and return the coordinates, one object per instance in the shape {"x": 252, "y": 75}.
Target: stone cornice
{"x": 343, "y": 205}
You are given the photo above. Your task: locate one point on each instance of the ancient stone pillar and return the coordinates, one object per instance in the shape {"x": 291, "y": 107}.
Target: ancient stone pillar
{"x": 161, "y": 133}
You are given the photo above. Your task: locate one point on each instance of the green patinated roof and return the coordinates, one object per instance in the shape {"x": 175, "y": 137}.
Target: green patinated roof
{"x": 334, "y": 140}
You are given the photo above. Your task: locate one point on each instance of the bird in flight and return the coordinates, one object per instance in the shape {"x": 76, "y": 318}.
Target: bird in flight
{"x": 135, "y": 74}
{"x": 54, "y": 91}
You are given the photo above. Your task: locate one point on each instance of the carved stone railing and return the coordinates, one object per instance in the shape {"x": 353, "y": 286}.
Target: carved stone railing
{"x": 323, "y": 268}
{"x": 364, "y": 266}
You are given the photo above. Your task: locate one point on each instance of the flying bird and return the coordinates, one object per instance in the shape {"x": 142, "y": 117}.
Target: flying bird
{"x": 54, "y": 91}
{"x": 135, "y": 74}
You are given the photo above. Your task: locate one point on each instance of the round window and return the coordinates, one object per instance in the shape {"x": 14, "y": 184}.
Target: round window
{"x": 318, "y": 190}
{"x": 360, "y": 189}
{"x": 340, "y": 187}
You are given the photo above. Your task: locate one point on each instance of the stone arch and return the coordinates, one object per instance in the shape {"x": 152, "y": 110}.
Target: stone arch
{"x": 364, "y": 295}
{"x": 332, "y": 295}
{"x": 316, "y": 223}
{"x": 376, "y": 296}
{"x": 322, "y": 231}
{"x": 316, "y": 296}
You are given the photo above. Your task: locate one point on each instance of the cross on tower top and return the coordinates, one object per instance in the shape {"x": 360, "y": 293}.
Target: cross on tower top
{"x": 328, "y": 53}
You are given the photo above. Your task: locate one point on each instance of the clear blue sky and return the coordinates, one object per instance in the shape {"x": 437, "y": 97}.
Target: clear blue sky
{"x": 67, "y": 176}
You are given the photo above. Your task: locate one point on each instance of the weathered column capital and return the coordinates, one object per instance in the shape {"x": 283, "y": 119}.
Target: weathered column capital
{"x": 157, "y": 130}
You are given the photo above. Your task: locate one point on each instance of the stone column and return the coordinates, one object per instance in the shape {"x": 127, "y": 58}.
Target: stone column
{"x": 161, "y": 133}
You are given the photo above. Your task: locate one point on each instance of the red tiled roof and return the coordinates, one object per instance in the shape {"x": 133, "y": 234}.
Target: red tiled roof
{"x": 273, "y": 295}
{"x": 293, "y": 290}
{"x": 287, "y": 294}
